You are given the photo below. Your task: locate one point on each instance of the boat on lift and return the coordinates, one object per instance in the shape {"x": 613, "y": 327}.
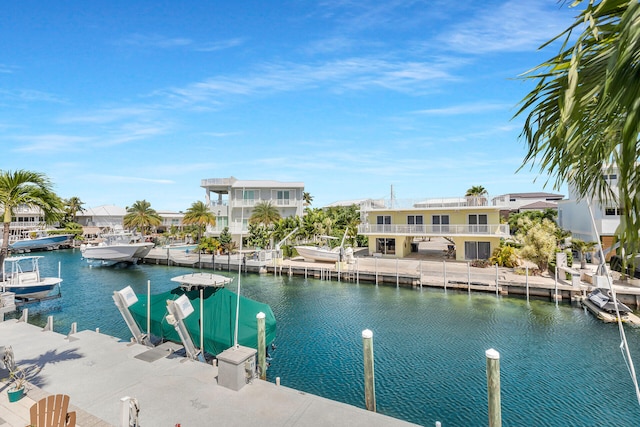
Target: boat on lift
{"x": 326, "y": 254}
{"x": 21, "y": 276}
{"x": 39, "y": 240}
{"x": 116, "y": 247}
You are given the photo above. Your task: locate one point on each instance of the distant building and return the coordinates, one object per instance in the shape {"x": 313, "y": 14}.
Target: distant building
{"x": 232, "y": 201}
{"x": 169, "y": 219}
{"x": 519, "y": 202}
{"x": 574, "y": 216}
{"x": 469, "y": 223}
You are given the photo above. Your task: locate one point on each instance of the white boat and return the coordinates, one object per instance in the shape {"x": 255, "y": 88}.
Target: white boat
{"x": 21, "y": 275}
{"x": 325, "y": 253}
{"x": 38, "y": 240}
{"x": 115, "y": 248}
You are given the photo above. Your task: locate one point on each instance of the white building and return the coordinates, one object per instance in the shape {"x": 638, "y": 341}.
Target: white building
{"x": 519, "y": 202}
{"x": 232, "y": 201}
{"x": 573, "y": 214}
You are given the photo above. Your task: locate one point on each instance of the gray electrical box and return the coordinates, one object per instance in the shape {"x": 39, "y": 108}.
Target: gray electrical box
{"x": 236, "y": 367}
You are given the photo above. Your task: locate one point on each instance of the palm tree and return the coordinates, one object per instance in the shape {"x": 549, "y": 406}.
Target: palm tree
{"x": 264, "y": 213}
{"x": 583, "y": 112}
{"x": 199, "y": 215}
{"x": 307, "y": 198}
{"x": 141, "y": 215}
{"x": 476, "y": 191}
{"x": 73, "y": 205}
{"x": 582, "y": 247}
{"x": 28, "y": 188}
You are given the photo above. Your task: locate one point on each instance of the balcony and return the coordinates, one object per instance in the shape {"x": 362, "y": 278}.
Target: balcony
{"x": 499, "y": 230}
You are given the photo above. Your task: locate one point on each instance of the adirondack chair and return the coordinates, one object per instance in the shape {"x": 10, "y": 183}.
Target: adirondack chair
{"x": 51, "y": 411}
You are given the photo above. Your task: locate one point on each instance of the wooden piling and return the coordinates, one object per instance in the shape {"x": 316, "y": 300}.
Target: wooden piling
{"x": 493, "y": 387}
{"x": 369, "y": 376}
{"x": 262, "y": 348}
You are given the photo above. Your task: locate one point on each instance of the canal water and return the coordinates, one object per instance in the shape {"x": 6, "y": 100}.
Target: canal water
{"x": 559, "y": 365}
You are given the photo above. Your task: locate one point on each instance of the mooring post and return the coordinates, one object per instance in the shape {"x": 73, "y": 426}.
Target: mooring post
{"x": 555, "y": 291}
{"x": 376, "y": 269}
{"x": 397, "y": 274}
{"x": 493, "y": 387}
{"x": 369, "y": 376}
{"x": 526, "y": 279}
{"x": 420, "y": 274}
{"x": 496, "y": 279}
{"x": 49, "y": 326}
{"x": 357, "y": 272}
{"x": 262, "y": 347}
{"x": 469, "y": 276}
{"x": 444, "y": 273}
{"x": 24, "y": 317}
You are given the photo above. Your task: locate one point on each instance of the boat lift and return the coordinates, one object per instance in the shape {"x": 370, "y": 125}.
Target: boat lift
{"x": 124, "y": 299}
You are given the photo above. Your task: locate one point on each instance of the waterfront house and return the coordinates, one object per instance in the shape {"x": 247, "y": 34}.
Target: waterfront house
{"x": 471, "y": 224}
{"x": 574, "y": 216}
{"x": 232, "y": 201}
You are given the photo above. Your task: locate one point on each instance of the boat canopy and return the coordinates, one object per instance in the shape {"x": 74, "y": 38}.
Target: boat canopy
{"x": 219, "y": 308}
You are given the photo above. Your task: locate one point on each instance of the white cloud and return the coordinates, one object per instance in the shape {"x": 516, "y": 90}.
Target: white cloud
{"x": 463, "y": 109}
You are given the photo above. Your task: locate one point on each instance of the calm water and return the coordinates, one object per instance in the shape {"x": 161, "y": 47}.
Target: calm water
{"x": 559, "y": 366}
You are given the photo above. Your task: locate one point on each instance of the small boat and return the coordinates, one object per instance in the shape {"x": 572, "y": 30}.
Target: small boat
{"x": 219, "y": 308}
{"x": 39, "y": 240}
{"x": 601, "y": 304}
{"x": 325, "y": 253}
{"x": 115, "y": 248}
{"x": 21, "y": 275}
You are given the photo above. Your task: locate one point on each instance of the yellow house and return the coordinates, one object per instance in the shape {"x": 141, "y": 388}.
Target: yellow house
{"x": 471, "y": 225}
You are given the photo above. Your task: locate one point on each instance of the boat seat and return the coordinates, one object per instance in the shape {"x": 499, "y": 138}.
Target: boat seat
{"x": 30, "y": 277}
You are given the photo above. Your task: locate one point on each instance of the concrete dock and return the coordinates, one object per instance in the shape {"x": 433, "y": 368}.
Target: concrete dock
{"x": 97, "y": 370}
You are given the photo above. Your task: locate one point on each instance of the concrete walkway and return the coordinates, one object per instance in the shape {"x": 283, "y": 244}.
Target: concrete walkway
{"x": 97, "y": 370}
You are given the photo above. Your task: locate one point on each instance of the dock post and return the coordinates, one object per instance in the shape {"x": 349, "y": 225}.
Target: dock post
{"x": 526, "y": 279}
{"x": 49, "y": 326}
{"x": 493, "y": 387}
{"x": 202, "y": 329}
{"x": 420, "y": 274}
{"x": 555, "y": 292}
{"x": 369, "y": 376}
{"x": 24, "y": 317}
{"x": 262, "y": 347}
{"x": 444, "y": 271}
{"x": 376, "y": 270}
{"x": 497, "y": 279}
{"x": 469, "y": 276}
{"x": 397, "y": 274}
{"x": 357, "y": 272}
{"x": 149, "y": 309}
{"x": 305, "y": 271}
{"x": 277, "y": 380}
{"x": 74, "y": 329}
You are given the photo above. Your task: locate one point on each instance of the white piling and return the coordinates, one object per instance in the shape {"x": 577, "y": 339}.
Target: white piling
{"x": 444, "y": 271}
{"x": 369, "y": 374}
{"x": 202, "y": 329}
{"x": 49, "y": 326}
{"x": 357, "y": 272}
{"x": 420, "y": 275}
{"x": 262, "y": 347}
{"x": 555, "y": 292}
{"x": 376, "y": 270}
{"x": 526, "y": 279}
{"x": 277, "y": 380}
{"x": 493, "y": 387}
{"x": 497, "y": 284}
{"x": 469, "y": 276}
{"x": 397, "y": 274}
{"x": 74, "y": 328}
{"x": 149, "y": 309}
{"x": 24, "y": 317}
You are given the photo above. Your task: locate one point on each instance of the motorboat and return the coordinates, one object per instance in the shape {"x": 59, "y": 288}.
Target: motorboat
{"x": 113, "y": 248}
{"x": 326, "y": 254}
{"x": 218, "y": 314}
{"x": 38, "y": 240}
{"x": 601, "y": 303}
{"x": 21, "y": 276}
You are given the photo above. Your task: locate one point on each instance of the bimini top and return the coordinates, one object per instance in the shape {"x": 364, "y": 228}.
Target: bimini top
{"x": 219, "y": 307}
{"x": 201, "y": 280}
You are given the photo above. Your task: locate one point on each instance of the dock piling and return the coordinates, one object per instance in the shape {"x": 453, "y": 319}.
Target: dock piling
{"x": 49, "y": 325}
{"x": 493, "y": 387}
{"x": 262, "y": 348}
{"x": 24, "y": 317}
{"x": 369, "y": 376}
{"x": 469, "y": 277}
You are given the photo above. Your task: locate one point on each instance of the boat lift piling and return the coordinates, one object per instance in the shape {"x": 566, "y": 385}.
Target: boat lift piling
{"x": 262, "y": 348}
{"x": 369, "y": 374}
{"x": 493, "y": 387}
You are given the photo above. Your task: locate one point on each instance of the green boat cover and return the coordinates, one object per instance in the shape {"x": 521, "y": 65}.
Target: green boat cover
{"x": 219, "y": 308}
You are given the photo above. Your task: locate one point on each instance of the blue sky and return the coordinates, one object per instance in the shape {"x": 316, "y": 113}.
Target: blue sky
{"x": 121, "y": 101}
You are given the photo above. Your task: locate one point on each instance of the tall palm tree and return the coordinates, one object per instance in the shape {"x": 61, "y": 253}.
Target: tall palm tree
{"x": 73, "y": 205}
{"x": 28, "y": 188}
{"x": 142, "y": 216}
{"x": 307, "y": 198}
{"x": 199, "y": 215}
{"x": 264, "y": 213}
{"x": 583, "y": 248}
{"x": 584, "y": 110}
{"x": 476, "y": 191}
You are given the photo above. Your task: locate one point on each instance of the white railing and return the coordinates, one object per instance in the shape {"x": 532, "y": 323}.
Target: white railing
{"x": 450, "y": 202}
{"x": 435, "y": 230}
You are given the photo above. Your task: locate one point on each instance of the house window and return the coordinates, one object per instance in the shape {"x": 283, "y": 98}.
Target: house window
{"x": 477, "y": 250}
{"x": 382, "y": 221}
{"x": 440, "y": 223}
{"x": 283, "y": 197}
{"x": 478, "y": 223}
{"x": 386, "y": 246}
{"x": 612, "y": 211}
{"x": 416, "y": 222}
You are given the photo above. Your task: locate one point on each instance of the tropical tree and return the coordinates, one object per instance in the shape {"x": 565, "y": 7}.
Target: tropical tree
{"x": 583, "y": 248}
{"x": 225, "y": 238}
{"x": 476, "y": 191}
{"x": 264, "y": 213}
{"x": 72, "y": 206}
{"x": 28, "y": 188}
{"x": 539, "y": 242}
{"x": 307, "y": 198}
{"x": 141, "y": 216}
{"x": 258, "y": 235}
{"x": 200, "y": 216}
{"x": 583, "y": 114}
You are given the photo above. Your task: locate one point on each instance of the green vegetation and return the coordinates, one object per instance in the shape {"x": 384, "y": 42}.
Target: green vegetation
{"x": 264, "y": 213}
{"x": 582, "y": 117}
{"x": 141, "y": 216}
{"x": 28, "y": 188}
{"x": 199, "y": 216}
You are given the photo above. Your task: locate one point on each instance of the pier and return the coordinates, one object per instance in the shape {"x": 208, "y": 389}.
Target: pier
{"x": 98, "y": 370}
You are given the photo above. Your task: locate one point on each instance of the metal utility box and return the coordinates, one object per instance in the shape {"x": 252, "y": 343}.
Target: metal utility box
{"x": 236, "y": 367}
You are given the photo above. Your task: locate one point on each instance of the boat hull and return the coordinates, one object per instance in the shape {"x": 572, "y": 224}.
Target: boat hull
{"x": 40, "y": 243}
{"x": 311, "y": 253}
{"x": 112, "y": 254}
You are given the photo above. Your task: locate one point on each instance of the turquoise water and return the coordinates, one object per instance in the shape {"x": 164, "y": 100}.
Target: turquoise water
{"x": 559, "y": 365}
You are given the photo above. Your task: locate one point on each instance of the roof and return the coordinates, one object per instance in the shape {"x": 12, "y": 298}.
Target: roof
{"x": 265, "y": 184}
{"x": 539, "y": 205}
{"x": 104, "y": 210}
{"x": 535, "y": 195}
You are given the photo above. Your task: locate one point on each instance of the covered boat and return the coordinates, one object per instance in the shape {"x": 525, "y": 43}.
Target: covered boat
{"x": 219, "y": 307}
